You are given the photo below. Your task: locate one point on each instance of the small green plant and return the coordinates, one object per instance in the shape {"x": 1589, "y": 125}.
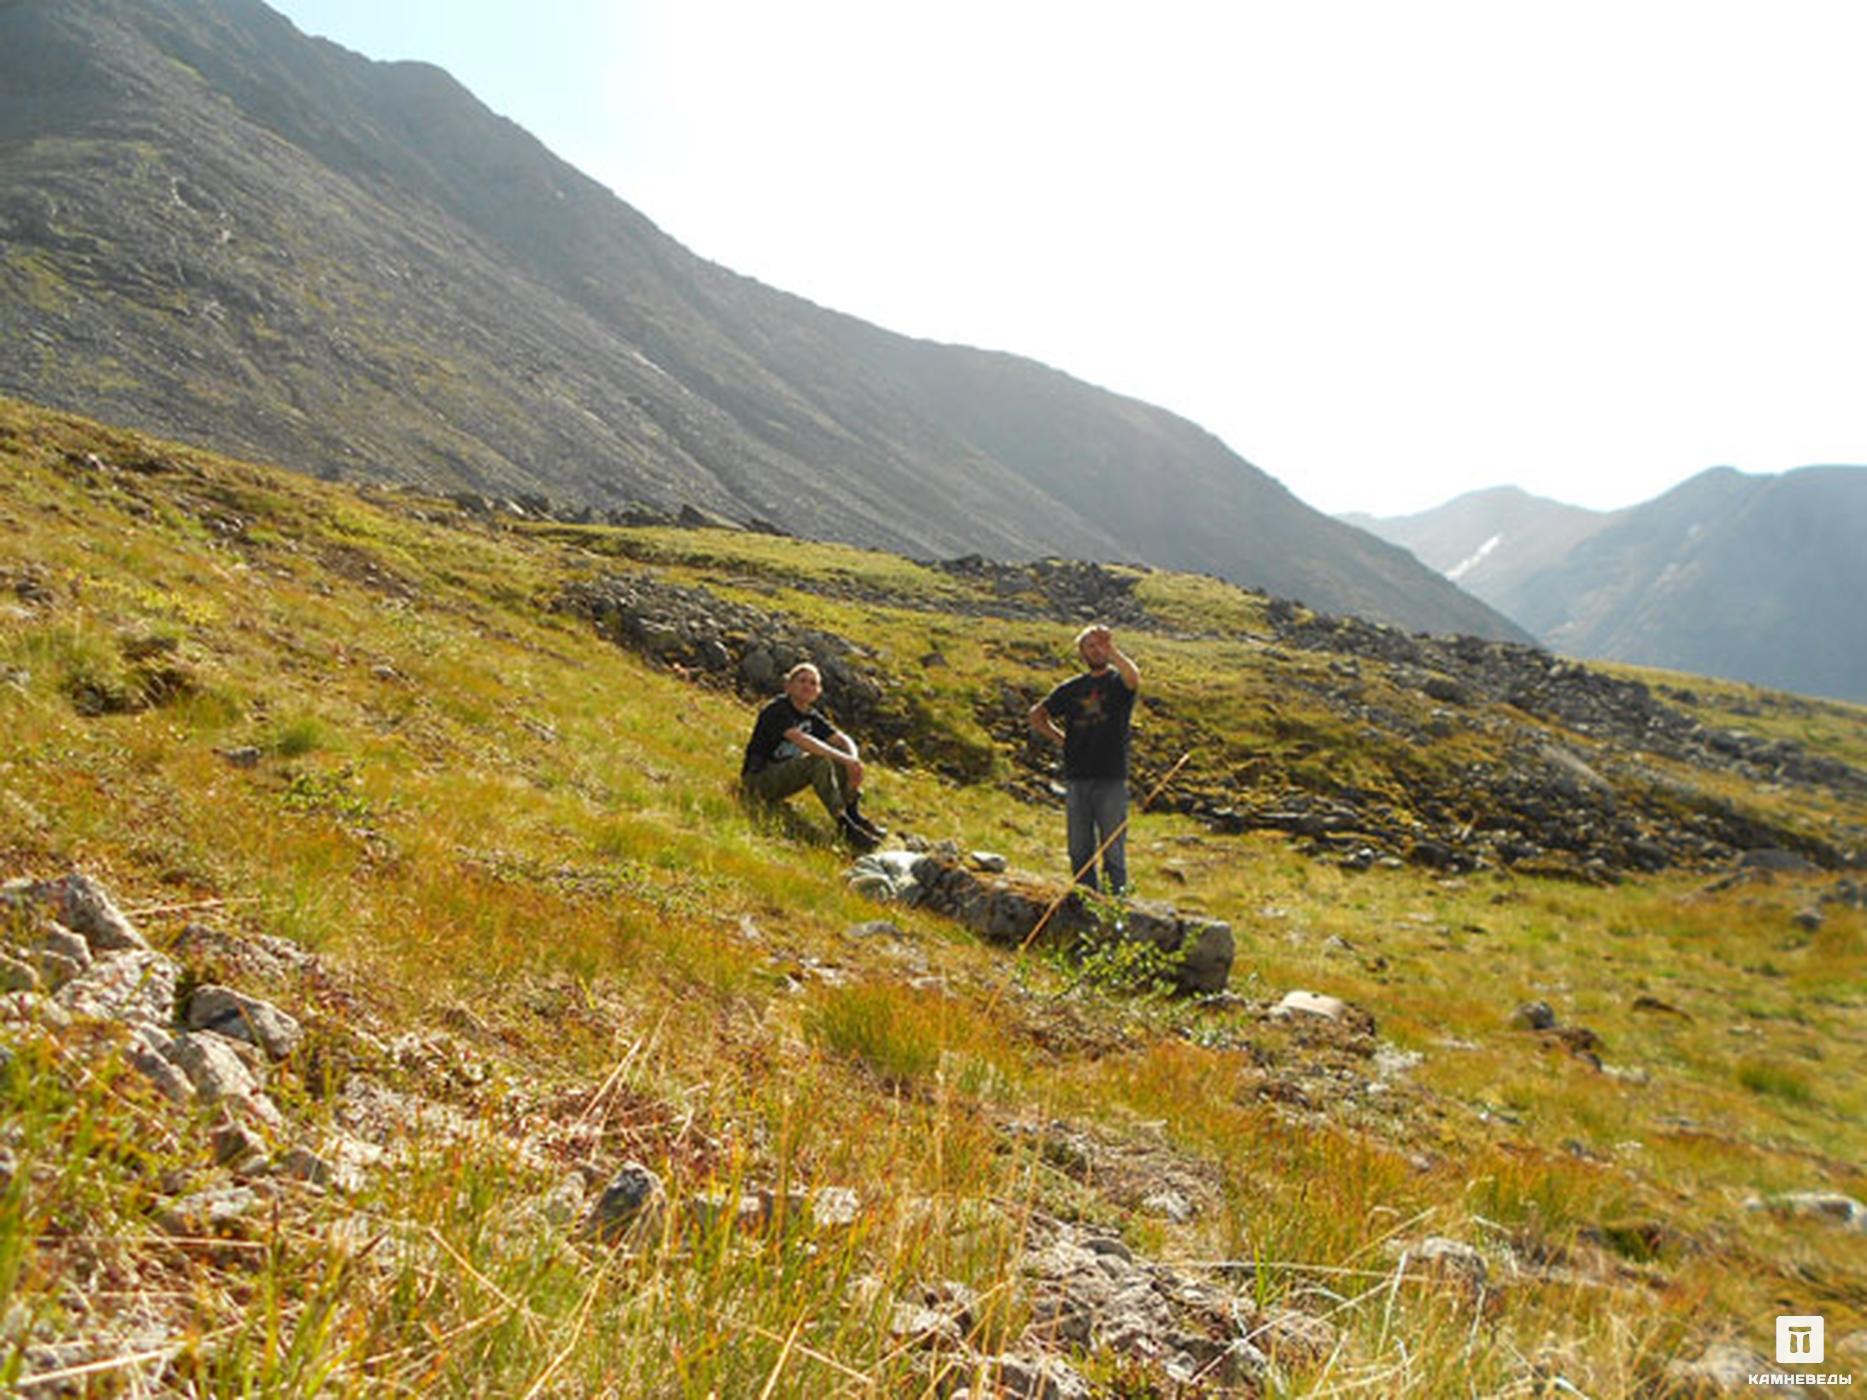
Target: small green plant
{"x": 335, "y": 793}
{"x": 1121, "y": 965}
{"x": 885, "y": 1028}
{"x": 1106, "y": 958}
{"x": 294, "y": 738}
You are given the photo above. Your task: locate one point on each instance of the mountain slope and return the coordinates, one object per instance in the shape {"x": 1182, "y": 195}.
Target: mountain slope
{"x": 217, "y": 227}
{"x": 1756, "y": 577}
{"x": 1489, "y": 542}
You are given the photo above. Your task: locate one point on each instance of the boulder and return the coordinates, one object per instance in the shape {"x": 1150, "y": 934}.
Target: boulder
{"x": 212, "y": 1066}
{"x": 241, "y": 1017}
{"x": 1006, "y": 908}
{"x": 1775, "y": 859}
{"x": 1302, "y": 1003}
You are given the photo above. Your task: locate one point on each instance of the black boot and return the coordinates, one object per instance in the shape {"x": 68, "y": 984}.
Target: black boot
{"x": 854, "y": 812}
{"x": 858, "y": 837}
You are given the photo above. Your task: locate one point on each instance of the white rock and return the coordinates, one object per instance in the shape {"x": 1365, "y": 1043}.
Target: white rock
{"x": 1310, "y": 1004}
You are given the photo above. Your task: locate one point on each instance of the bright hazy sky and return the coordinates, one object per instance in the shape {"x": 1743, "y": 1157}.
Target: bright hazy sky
{"x": 1389, "y": 252}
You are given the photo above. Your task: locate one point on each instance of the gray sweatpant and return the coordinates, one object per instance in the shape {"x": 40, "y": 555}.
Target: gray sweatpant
{"x": 1095, "y": 807}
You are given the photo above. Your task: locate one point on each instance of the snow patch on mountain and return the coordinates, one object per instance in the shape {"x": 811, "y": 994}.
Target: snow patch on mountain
{"x": 1466, "y": 565}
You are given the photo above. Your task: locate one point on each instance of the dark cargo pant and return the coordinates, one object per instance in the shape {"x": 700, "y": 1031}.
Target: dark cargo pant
{"x": 777, "y": 781}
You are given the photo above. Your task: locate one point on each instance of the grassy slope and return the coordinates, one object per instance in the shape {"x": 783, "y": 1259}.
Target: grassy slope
{"x": 523, "y": 845}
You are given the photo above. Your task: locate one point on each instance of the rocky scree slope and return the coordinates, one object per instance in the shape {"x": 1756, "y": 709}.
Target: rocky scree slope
{"x": 1577, "y": 772}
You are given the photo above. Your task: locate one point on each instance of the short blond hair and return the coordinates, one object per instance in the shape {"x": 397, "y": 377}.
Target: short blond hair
{"x": 799, "y": 670}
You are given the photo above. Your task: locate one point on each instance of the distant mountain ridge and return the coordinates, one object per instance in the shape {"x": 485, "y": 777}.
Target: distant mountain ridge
{"x": 1758, "y": 578}
{"x": 213, "y": 226}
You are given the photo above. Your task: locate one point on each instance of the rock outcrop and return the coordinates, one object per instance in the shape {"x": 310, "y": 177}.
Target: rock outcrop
{"x": 1008, "y": 907}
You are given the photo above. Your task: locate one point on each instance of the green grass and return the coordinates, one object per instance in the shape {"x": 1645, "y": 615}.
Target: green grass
{"x": 515, "y": 843}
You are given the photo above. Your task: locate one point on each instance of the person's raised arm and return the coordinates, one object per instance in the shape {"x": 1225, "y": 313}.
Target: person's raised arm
{"x": 1129, "y": 672}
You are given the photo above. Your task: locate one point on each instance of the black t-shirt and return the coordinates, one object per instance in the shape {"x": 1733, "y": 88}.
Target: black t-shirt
{"x": 1092, "y": 710}
{"x": 768, "y": 733}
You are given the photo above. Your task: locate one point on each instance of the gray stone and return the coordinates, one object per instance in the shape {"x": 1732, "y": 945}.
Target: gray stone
{"x": 564, "y": 1202}
{"x": 237, "y": 1146}
{"x": 914, "y": 1325}
{"x": 1198, "y": 1361}
{"x": 148, "y": 1053}
{"x": 1724, "y": 1368}
{"x": 134, "y": 985}
{"x": 33, "y": 1008}
{"x": 989, "y": 861}
{"x": 1775, "y": 859}
{"x": 874, "y": 928}
{"x": 1295, "y": 1337}
{"x": 56, "y": 938}
{"x": 1534, "y": 1016}
{"x": 833, "y": 1207}
{"x": 758, "y": 667}
{"x": 16, "y": 976}
{"x": 1007, "y": 908}
{"x": 241, "y": 1017}
{"x": 630, "y": 1206}
{"x": 208, "y": 1212}
{"x": 1207, "y": 957}
{"x": 247, "y": 757}
{"x": 82, "y": 905}
{"x": 1168, "y": 1205}
{"x": 1034, "y": 1377}
{"x": 56, "y": 968}
{"x": 1829, "y": 1206}
{"x": 212, "y": 1066}
{"x": 339, "y": 1166}
{"x": 1108, "y": 1247}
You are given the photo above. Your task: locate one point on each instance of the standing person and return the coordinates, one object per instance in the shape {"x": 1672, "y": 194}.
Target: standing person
{"x": 794, "y": 747}
{"x": 1089, "y": 715}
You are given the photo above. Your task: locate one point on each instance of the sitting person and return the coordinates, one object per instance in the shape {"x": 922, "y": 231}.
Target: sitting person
{"x": 794, "y": 747}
